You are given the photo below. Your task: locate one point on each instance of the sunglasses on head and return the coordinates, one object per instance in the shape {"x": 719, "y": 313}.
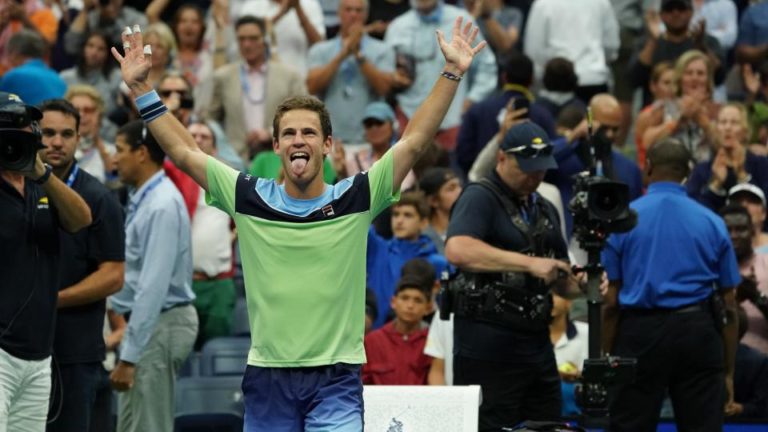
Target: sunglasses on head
{"x": 531, "y": 151}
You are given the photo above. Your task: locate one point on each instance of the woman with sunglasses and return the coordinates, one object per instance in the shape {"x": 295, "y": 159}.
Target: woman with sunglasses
{"x": 731, "y": 164}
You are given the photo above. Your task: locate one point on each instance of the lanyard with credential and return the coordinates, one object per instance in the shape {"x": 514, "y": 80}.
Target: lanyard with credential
{"x": 134, "y": 207}
{"x": 73, "y": 175}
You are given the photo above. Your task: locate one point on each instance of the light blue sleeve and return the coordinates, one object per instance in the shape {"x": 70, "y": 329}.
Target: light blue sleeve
{"x": 162, "y": 233}
{"x": 483, "y": 74}
{"x": 385, "y": 59}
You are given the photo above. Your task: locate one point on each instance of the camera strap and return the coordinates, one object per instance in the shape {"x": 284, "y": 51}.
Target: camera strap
{"x": 541, "y": 224}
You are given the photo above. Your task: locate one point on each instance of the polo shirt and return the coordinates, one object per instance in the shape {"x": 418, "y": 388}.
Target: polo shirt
{"x": 29, "y": 271}
{"x": 479, "y": 214}
{"x": 349, "y": 92}
{"x": 678, "y": 253}
{"x": 79, "y": 329}
{"x": 303, "y": 262}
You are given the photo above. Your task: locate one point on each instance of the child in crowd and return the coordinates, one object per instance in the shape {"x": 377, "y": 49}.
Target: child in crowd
{"x": 442, "y": 188}
{"x": 385, "y": 258}
{"x": 571, "y": 342}
{"x": 395, "y": 352}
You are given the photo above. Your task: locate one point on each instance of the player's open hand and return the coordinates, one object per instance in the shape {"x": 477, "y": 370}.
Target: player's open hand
{"x": 135, "y": 61}
{"x": 459, "y": 51}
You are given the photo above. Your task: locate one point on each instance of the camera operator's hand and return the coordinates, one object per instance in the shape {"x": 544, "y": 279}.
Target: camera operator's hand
{"x": 549, "y": 269}
{"x": 38, "y": 169}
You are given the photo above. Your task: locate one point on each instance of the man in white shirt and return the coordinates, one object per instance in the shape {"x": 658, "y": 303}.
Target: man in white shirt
{"x": 585, "y": 32}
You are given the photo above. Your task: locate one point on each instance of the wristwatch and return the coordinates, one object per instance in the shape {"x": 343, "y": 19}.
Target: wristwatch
{"x": 46, "y": 175}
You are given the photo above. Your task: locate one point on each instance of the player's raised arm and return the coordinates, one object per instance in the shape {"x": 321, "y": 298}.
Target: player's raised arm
{"x": 423, "y": 126}
{"x": 172, "y": 136}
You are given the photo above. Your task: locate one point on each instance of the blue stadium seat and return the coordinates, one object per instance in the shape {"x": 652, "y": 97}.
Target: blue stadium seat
{"x": 209, "y": 404}
{"x": 191, "y": 366}
{"x": 224, "y": 356}
{"x": 240, "y": 324}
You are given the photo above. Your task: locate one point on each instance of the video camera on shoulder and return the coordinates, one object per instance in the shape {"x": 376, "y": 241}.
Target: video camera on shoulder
{"x": 18, "y": 147}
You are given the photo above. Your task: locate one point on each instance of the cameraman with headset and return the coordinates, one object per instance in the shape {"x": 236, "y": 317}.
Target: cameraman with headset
{"x": 671, "y": 303}
{"x": 507, "y": 242}
{"x": 33, "y": 206}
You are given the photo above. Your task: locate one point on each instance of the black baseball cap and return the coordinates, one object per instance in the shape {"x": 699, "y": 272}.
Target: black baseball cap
{"x": 531, "y": 147}
{"x": 12, "y": 109}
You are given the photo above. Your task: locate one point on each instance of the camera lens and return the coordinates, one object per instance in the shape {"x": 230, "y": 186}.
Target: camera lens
{"x": 608, "y": 201}
{"x": 11, "y": 153}
{"x": 18, "y": 149}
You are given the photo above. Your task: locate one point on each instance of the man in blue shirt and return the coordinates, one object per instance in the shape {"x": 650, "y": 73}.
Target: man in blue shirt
{"x": 157, "y": 295}
{"x": 350, "y": 71}
{"x": 664, "y": 275}
{"x": 30, "y": 77}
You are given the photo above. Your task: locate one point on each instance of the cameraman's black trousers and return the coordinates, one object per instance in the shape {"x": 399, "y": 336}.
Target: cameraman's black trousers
{"x": 512, "y": 392}
{"x": 680, "y": 352}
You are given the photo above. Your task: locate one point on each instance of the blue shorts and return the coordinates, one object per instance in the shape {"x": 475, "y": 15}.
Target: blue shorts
{"x": 313, "y": 399}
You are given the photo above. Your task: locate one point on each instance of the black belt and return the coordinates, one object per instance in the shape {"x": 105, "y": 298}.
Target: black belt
{"x": 127, "y": 315}
{"x": 701, "y": 306}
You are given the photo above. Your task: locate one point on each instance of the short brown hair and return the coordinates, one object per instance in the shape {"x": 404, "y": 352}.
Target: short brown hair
{"x": 309, "y": 103}
{"x": 415, "y": 199}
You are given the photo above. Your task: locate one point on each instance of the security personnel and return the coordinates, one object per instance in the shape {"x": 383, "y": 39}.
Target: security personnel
{"x": 667, "y": 278}
{"x": 506, "y": 237}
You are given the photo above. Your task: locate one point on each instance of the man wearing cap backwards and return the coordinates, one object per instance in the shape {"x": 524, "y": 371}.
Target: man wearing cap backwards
{"x": 306, "y": 305}
{"x": 33, "y": 206}
{"x": 664, "y": 275}
{"x": 508, "y": 354}
{"x": 753, "y": 199}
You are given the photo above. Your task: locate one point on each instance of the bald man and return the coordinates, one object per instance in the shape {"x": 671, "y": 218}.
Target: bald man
{"x": 572, "y": 153}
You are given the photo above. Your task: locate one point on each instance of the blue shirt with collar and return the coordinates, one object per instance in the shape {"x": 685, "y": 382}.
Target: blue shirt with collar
{"x": 676, "y": 255}
{"x": 34, "y": 82}
{"x": 349, "y": 92}
{"x": 158, "y": 261}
